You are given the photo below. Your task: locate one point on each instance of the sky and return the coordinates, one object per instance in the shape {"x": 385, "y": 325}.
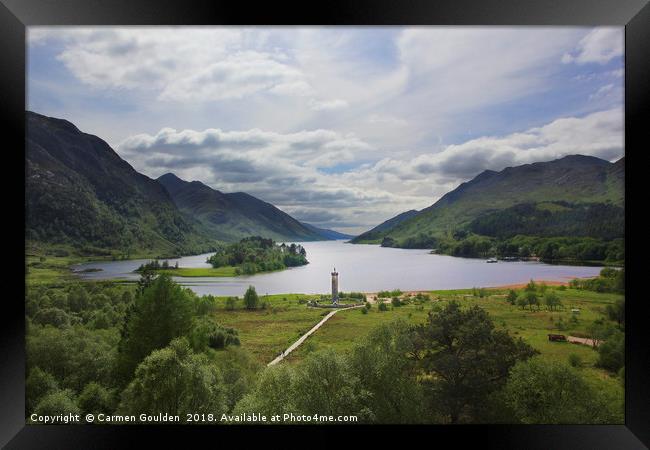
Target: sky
{"x": 341, "y": 127}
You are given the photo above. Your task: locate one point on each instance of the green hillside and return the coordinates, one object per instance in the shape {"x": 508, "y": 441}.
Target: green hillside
{"x": 233, "y": 216}
{"x": 466, "y": 211}
{"x": 375, "y": 235}
{"x": 82, "y": 197}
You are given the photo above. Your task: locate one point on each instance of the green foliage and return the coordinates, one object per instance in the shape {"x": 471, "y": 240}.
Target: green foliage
{"x": 550, "y": 219}
{"x": 231, "y": 303}
{"x": 386, "y": 375}
{"x": 609, "y": 280}
{"x": 552, "y": 393}
{"x": 52, "y": 316}
{"x": 74, "y": 355}
{"x": 382, "y": 306}
{"x": 396, "y": 301}
{"x": 611, "y": 353}
{"x": 575, "y": 360}
{"x": 37, "y": 385}
{"x": 467, "y": 357}
{"x": 271, "y": 394}
{"x": 205, "y": 333}
{"x": 512, "y": 297}
{"x": 175, "y": 380}
{"x": 325, "y": 383}
{"x": 162, "y": 312}
{"x": 57, "y": 403}
{"x": 389, "y": 294}
{"x": 552, "y": 300}
{"x": 616, "y": 312}
{"x": 239, "y": 371}
{"x": 95, "y": 398}
{"x": 256, "y": 254}
{"x": 251, "y": 300}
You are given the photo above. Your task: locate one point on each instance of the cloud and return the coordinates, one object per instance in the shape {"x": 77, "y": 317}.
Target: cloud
{"x": 286, "y": 169}
{"x": 600, "y": 46}
{"x": 179, "y": 65}
{"x": 327, "y": 105}
{"x": 365, "y": 122}
{"x": 598, "y": 134}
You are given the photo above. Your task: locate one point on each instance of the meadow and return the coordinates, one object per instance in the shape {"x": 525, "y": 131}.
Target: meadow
{"x": 265, "y": 332}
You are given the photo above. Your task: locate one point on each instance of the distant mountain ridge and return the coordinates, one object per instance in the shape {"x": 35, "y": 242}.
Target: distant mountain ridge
{"x": 81, "y": 194}
{"x": 574, "y": 178}
{"x": 328, "y": 234}
{"x": 232, "y": 216}
{"x": 379, "y": 231}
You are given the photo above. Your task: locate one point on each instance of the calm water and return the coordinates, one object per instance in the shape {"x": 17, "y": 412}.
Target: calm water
{"x": 368, "y": 268}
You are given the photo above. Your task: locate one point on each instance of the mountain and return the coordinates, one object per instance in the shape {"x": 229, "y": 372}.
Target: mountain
{"x": 326, "y": 233}
{"x": 80, "y": 194}
{"x": 233, "y": 216}
{"x": 376, "y": 234}
{"x": 575, "y": 179}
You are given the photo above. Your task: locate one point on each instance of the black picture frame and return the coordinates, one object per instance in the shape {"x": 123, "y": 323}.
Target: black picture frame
{"x": 15, "y": 15}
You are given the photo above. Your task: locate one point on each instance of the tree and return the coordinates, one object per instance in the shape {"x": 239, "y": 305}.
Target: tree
{"x": 616, "y": 312}
{"x": 251, "y": 299}
{"x": 147, "y": 277}
{"x": 206, "y": 334}
{"x": 600, "y": 330}
{"x": 74, "y": 355}
{"x": 611, "y": 353}
{"x": 547, "y": 393}
{"x": 531, "y": 286}
{"x": 231, "y": 303}
{"x": 271, "y": 394}
{"x": 522, "y": 301}
{"x": 57, "y": 403}
{"x": 37, "y": 385}
{"x": 95, "y": 398}
{"x": 465, "y": 359}
{"x": 162, "y": 312}
{"x": 176, "y": 381}
{"x": 512, "y": 297}
{"x": 552, "y": 300}
{"x": 52, "y": 316}
{"x": 325, "y": 384}
{"x": 388, "y": 375}
{"x": 239, "y": 370}
{"x": 531, "y": 299}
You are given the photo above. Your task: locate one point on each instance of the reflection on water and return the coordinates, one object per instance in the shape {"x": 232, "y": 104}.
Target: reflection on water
{"x": 367, "y": 268}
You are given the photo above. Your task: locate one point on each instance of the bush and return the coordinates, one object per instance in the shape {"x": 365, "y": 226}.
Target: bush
{"x": 382, "y": 307}
{"x": 547, "y": 393}
{"x": 95, "y": 398}
{"x": 575, "y": 360}
{"x": 611, "y": 353}
{"x": 396, "y": 302}
{"x": 231, "y": 303}
{"x": 52, "y": 316}
{"x": 58, "y": 402}
{"x": 37, "y": 385}
{"x": 251, "y": 299}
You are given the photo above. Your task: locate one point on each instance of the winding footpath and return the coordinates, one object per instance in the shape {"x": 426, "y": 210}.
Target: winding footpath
{"x": 302, "y": 338}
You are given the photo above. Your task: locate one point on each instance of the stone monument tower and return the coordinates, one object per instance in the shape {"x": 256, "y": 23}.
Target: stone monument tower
{"x": 335, "y": 287}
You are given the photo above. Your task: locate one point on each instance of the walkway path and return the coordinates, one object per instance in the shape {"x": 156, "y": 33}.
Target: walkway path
{"x": 583, "y": 341}
{"x": 302, "y": 338}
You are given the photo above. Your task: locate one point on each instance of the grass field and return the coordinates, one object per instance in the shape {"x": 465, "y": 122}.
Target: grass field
{"x": 266, "y": 332}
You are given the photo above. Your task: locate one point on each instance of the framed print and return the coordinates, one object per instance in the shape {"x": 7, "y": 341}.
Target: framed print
{"x": 364, "y": 218}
